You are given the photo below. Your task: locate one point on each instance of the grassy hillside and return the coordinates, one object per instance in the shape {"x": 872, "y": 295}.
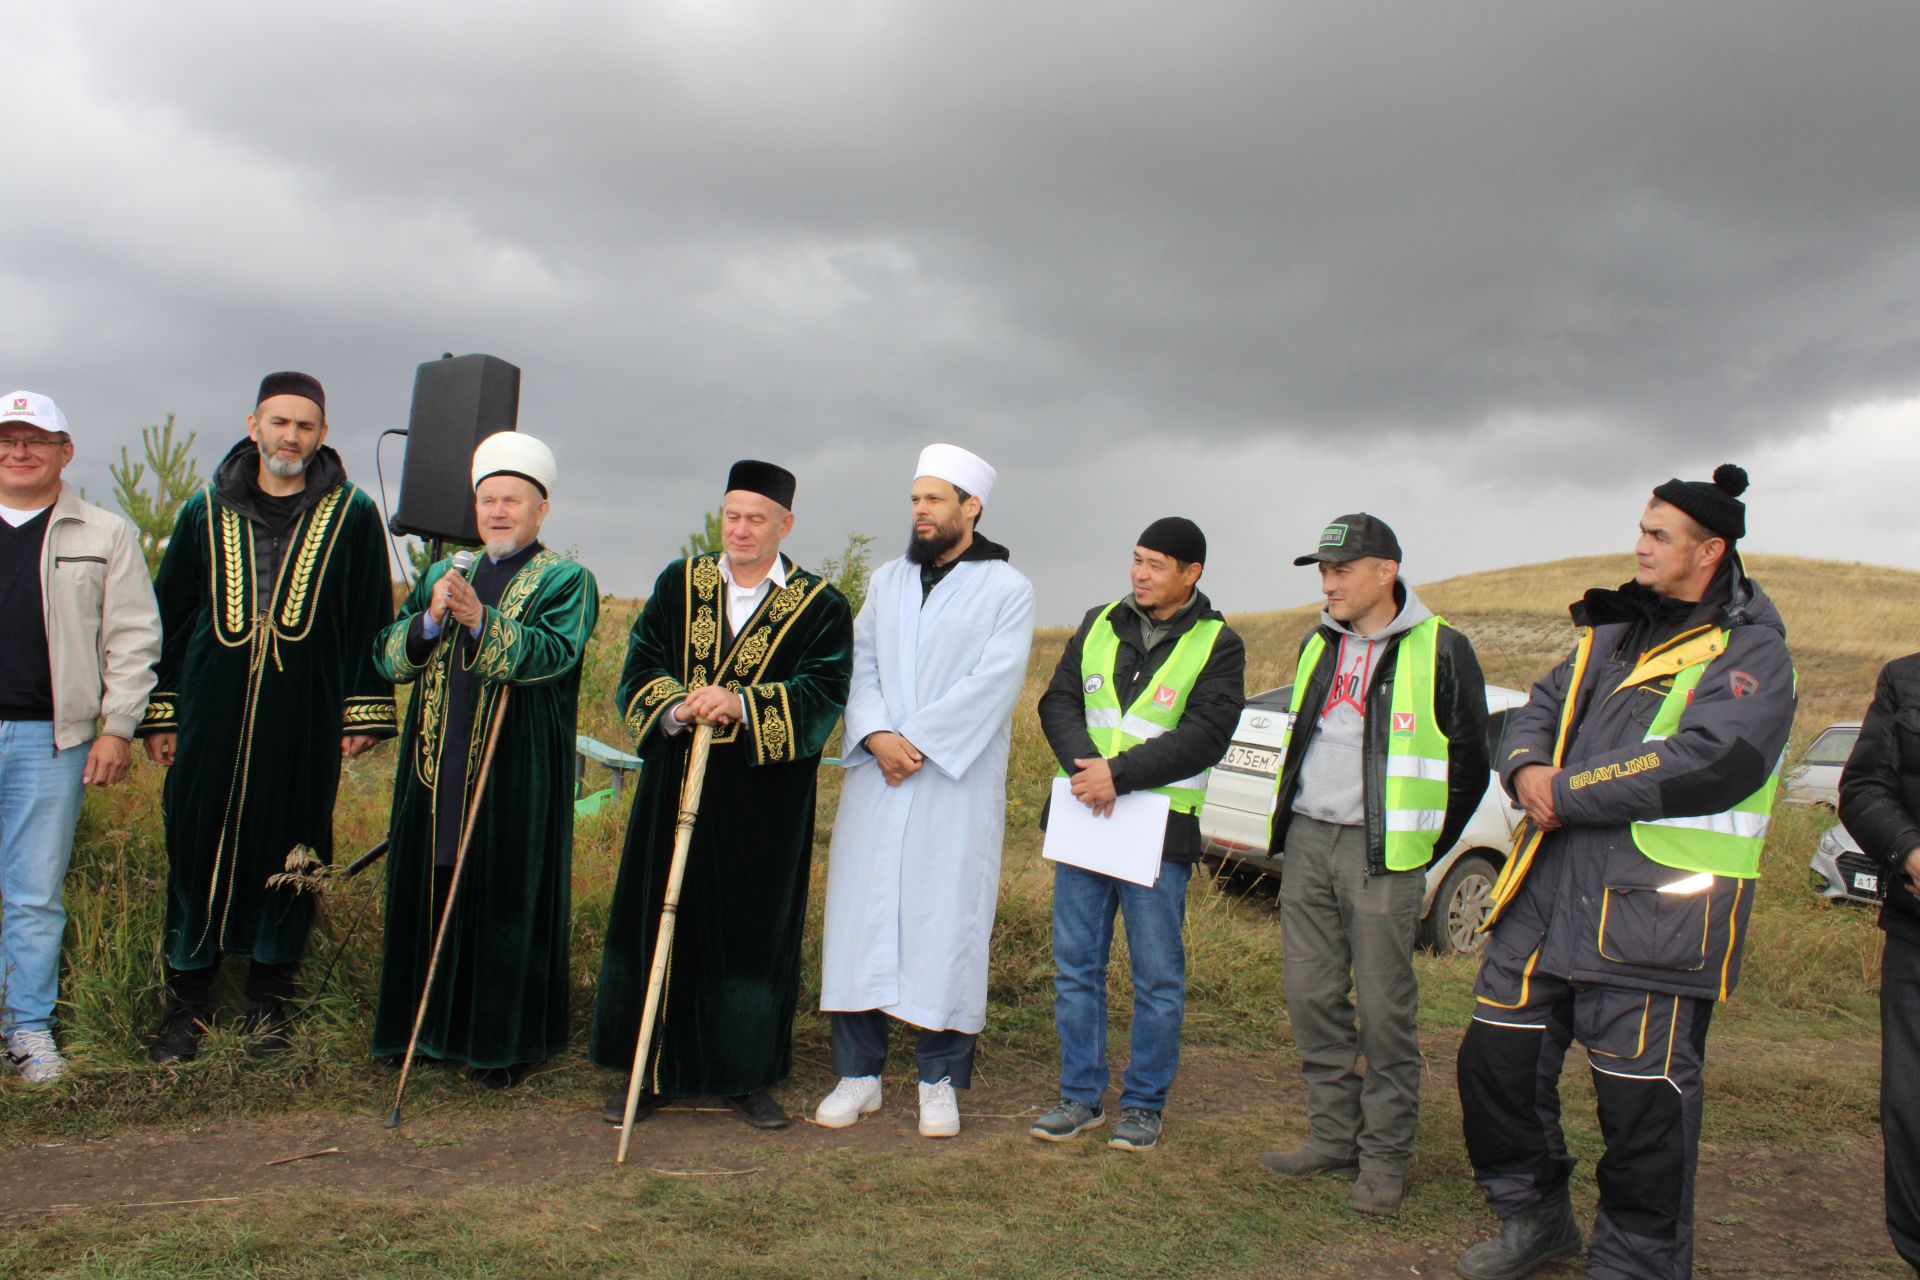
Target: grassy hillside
{"x": 1809, "y": 978}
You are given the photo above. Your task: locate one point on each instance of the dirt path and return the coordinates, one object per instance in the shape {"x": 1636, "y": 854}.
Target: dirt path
{"x": 1761, "y": 1211}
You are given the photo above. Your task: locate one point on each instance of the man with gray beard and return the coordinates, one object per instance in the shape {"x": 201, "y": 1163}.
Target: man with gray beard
{"x": 274, "y": 585}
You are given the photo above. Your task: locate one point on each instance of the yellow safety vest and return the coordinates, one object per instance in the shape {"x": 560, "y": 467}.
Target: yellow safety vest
{"x": 1417, "y": 747}
{"x": 1726, "y": 843}
{"x": 1162, "y": 701}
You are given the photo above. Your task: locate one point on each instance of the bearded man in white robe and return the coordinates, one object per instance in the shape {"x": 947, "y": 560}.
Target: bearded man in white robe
{"x": 939, "y": 658}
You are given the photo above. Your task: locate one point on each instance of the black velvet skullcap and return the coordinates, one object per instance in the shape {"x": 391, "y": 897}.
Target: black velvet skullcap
{"x": 289, "y": 383}
{"x": 1175, "y": 536}
{"x": 1716, "y": 506}
{"x": 763, "y": 478}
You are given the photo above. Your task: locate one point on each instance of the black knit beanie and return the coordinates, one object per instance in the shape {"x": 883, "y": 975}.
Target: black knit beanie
{"x": 1175, "y": 536}
{"x": 1716, "y": 506}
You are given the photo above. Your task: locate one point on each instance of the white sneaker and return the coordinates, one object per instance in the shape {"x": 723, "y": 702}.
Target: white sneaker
{"x": 33, "y": 1055}
{"x": 853, "y": 1097}
{"x": 939, "y": 1110}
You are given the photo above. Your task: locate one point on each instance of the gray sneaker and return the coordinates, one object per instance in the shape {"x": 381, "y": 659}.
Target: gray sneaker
{"x": 1067, "y": 1120}
{"x": 1137, "y": 1130}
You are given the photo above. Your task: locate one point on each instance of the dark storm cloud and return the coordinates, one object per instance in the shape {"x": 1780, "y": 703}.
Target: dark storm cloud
{"x": 1087, "y": 240}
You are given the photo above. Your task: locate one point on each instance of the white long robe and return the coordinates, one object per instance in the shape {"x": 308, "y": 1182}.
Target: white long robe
{"x": 913, "y": 874}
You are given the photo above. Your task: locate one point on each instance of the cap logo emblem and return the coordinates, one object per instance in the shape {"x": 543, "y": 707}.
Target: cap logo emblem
{"x": 1334, "y": 535}
{"x": 1093, "y": 683}
{"x": 19, "y": 404}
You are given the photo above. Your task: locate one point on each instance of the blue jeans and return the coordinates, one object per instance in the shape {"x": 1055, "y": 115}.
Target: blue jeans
{"x": 40, "y": 794}
{"x": 1084, "y": 903}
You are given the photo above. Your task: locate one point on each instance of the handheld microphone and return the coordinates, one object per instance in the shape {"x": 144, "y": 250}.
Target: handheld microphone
{"x": 462, "y": 565}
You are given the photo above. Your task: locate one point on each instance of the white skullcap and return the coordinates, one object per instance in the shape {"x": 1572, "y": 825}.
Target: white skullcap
{"x": 516, "y": 454}
{"x": 958, "y": 468}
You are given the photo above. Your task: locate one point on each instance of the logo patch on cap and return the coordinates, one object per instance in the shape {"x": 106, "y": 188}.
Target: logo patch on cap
{"x": 1403, "y": 722}
{"x": 20, "y": 404}
{"x": 1165, "y": 696}
{"x": 1093, "y": 683}
{"x": 1334, "y": 535}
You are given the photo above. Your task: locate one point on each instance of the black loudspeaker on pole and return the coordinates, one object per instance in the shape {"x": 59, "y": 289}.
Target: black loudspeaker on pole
{"x": 458, "y": 401}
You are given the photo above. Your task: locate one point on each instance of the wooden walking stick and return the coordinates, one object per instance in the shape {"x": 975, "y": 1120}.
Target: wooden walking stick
{"x": 453, "y": 889}
{"x": 669, "y": 913}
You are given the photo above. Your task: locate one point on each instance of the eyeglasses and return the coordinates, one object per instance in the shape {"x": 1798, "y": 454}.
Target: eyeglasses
{"x": 33, "y": 444}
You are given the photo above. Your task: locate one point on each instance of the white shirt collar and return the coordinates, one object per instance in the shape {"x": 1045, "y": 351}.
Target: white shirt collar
{"x": 776, "y": 575}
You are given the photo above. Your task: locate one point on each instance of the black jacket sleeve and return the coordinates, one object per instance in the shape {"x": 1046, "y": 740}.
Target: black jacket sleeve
{"x": 1063, "y": 708}
{"x": 1205, "y": 729}
{"x": 1460, "y": 695}
{"x": 1880, "y": 787}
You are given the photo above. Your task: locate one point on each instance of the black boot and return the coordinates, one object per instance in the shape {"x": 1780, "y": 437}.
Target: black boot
{"x": 268, "y": 1028}
{"x": 270, "y": 993}
{"x": 189, "y": 1012}
{"x": 614, "y": 1109}
{"x": 1526, "y": 1240}
{"x": 178, "y": 1039}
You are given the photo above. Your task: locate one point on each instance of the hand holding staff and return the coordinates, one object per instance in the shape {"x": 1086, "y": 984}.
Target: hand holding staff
{"x": 669, "y": 913}
{"x": 453, "y": 890}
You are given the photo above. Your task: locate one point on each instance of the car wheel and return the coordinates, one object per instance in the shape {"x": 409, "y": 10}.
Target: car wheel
{"x": 1461, "y": 906}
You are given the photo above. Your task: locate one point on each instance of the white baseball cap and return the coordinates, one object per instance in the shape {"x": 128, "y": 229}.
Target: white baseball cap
{"x": 33, "y": 409}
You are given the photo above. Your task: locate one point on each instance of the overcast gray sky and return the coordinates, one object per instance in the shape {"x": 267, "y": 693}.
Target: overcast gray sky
{"x": 1487, "y": 270}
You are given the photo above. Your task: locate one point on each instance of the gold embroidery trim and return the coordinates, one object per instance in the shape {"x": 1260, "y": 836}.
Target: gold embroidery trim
{"x": 315, "y": 549}
{"x": 753, "y": 649}
{"x": 644, "y": 708}
{"x": 491, "y": 660}
{"x": 162, "y": 711}
{"x": 772, "y": 723}
{"x": 396, "y": 655}
{"x": 372, "y": 712}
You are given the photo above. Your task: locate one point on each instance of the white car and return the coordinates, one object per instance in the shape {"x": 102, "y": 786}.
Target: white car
{"x": 1236, "y": 818}
{"x": 1816, "y": 779}
{"x": 1842, "y": 873}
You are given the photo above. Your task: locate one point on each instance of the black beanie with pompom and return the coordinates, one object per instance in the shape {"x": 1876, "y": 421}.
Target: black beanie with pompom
{"x": 1716, "y": 506}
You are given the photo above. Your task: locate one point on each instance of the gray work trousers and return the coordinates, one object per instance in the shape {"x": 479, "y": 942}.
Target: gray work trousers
{"x": 1347, "y": 942}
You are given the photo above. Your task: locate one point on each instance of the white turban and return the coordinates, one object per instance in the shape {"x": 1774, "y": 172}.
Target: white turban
{"x": 517, "y": 454}
{"x": 958, "y": 468}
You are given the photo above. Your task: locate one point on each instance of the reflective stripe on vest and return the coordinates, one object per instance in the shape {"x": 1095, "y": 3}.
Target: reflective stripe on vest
{"x": 1417, "y": 747}
{"x": 1162, "y": 700}
{"x": 1722, "y": 844}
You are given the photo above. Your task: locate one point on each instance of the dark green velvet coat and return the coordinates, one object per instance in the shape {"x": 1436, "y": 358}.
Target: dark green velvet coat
{"x": 261, "y": 694}
{"x": 500, "y": 996}
{"x": 734, "y": 972}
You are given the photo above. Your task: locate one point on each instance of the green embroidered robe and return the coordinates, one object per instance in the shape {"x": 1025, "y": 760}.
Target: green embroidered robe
{"x": 261, "y": 693}
{"x": 500, "y": 996}
{"x": 733, "y": 975}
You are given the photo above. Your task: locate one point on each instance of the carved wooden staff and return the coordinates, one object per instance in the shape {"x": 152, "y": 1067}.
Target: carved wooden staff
{"x": 453, "y": 890}
{"x": 669, "y": 914}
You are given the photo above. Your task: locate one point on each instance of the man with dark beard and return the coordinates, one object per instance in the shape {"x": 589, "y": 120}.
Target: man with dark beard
{"x": 939, "y": 655}
{"x": 274, "y": 585}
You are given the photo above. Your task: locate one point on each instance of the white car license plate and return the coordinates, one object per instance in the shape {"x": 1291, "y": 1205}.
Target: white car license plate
{"x": 1248, "y": 758}
{"x": 1866, "y": 883}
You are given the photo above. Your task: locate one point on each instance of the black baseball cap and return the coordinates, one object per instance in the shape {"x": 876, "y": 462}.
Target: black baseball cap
{"x": 1351, "y": 538}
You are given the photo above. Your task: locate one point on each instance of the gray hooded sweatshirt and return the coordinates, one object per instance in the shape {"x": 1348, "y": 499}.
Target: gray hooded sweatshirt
{"x": 1331, "y": 786}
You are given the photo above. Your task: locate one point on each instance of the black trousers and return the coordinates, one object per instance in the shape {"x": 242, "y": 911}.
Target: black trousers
{"x": 1645, "y": 1050}
{"x": 860, "y": 1049}
{"x": 1899, "y": 1100}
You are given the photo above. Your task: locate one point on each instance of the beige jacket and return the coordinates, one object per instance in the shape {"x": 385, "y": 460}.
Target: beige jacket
{"x": 103, "y": 625}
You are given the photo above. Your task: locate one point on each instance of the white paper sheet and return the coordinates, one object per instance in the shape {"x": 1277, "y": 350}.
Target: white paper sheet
{"x": 1125, "y": 844}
